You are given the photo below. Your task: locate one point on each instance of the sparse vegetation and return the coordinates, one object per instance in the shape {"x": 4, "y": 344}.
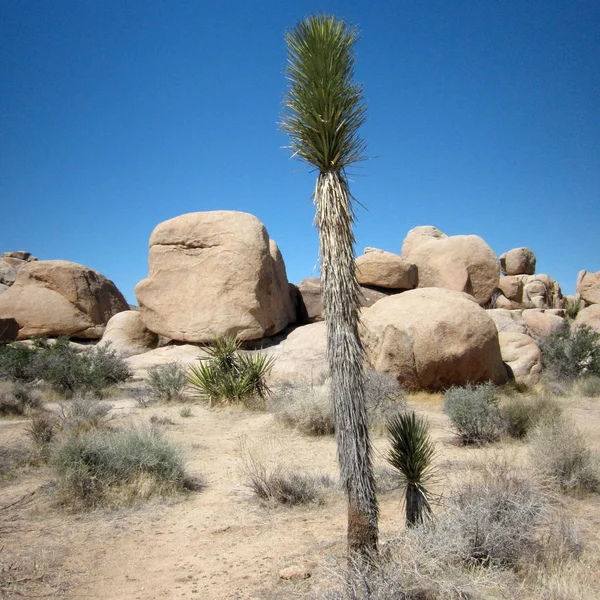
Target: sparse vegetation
{"x": 570, "y": 352}
{"x": 521, "y": 413}
{"x": 84, "y": 413}
{"x": 411, "y": 454}
{"x": 384, "y": 399}
{"x": 562, "y": 454}
{"x": 116, "y": 467}
{"x": 227, "y": 375}
{"x": 572, "y": 307}
{"x": 185, "y": 412}
{"x": 270, "y": 480}
{"x": 167, "y": 382}
{"x": 474, "y": 412}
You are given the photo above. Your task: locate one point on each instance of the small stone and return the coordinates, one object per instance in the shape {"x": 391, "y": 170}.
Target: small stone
{"x": 294, "y": 572}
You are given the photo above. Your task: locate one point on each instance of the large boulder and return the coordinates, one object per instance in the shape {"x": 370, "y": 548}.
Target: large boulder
{"x": 511, "y": 287}
{"x": 58, "y": 297}
{"x": 589, "y": 316}
{"x": 540, "y": 323}
{"x": 432, "y": 339}
{"x": 588, "y": 287}
{"x": 302, "y": 356}
{"x": 8, "y": 273}
{"x": 464, "y": 263}
{"x": 529, "y": 291}
{"x": 214, "y": 274}
{"x": 379, "y": 268}
{"x": 126, "y": 333}
{"x": 522, "y": 357}
{"x": 518, "y": 261}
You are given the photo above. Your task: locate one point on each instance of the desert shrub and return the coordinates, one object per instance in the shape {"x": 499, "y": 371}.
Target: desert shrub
{"x": 15, "y": 362}
{"x": 304, "y": 407}
{"x": 107, "y": 467}
{"x": 570, "y": 352}
{"x": 474, "y": 412}
{"x": 12, "y": 458}
{"x": 83, "y": 413}
{"x": 18, "y": 398}
{"x": 167, "y": 382}
{"x": 520, "y": 414}
{"x": 42, "y": 431}
{"x": 589, "y": 385}
{"x": 498, "y": 515}
{"x": 142, "y": 396}
{"x": 561, "y": 453}
{"x": 227, "y": 375}
{"x": 65, "y": 369}
{"x": 270, "y": 480}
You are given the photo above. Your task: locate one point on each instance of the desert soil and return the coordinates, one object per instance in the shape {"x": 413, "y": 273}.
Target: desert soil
{"x": 219, "y": 542}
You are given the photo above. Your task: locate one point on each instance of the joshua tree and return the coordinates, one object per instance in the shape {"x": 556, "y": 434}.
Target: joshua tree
{"x": 323, "y": 111}
{"x": 411, "y": 454}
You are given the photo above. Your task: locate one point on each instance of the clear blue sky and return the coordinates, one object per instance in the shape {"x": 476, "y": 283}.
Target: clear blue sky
{"x": 119, "y": 114}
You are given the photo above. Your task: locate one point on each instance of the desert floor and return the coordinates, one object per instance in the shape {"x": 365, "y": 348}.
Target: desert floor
{"x": 219, "y": 542}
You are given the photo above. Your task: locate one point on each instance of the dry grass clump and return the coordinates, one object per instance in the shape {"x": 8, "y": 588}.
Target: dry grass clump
{"x": 83, "y": 413}
{"x": 520, "y": 413}
{"x": 304, "y": 407}
{"x": 116, "y": 467}
{"x": 271, "y": 480}
{"x": 562, "y": 454}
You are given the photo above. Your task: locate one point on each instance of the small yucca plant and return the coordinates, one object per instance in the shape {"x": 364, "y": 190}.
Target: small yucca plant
{"x": 227, "y": 376}
{"x": 411, "y": 454}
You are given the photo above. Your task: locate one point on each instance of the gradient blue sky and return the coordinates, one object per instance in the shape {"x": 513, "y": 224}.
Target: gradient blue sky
{"x": 119, "y": 114}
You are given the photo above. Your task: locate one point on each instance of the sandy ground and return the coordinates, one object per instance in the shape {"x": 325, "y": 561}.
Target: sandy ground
{"x": 219, "y": 542}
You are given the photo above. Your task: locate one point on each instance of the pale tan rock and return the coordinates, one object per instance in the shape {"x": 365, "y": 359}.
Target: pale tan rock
{"x": 589, "y": 316}
{"x": 522, "y": 356}
{"x": 541, "y": 291}
{"x": 184, "y": 354}
{"x": 8, "y": 273}
{"x": 588, "y": 287}
{"x": 19, "y": 255}
{"x": 214, "y": 274}
{"x": 540, "y": 323}
{"x": 507, "y": 320}
{"x": 502, "y": 302}
{"x": 57, "y": 297}
{"x": 3, "y": 287}
{"x": 294, "y": 572}
{"x": 511, "y": 286}
{"x": 432, "y": 339}
{"x": 518, "y": 261}
{"x": 126, "y": 333}
{"x": 384, "y": 269}
{"x": 302, "y": 356}
{"x": 464, "y": 263}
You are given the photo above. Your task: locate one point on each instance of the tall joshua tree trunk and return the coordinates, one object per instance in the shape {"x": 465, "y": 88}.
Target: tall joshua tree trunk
{"x": 341, "y": 291}
{"x": 323, "y": 111}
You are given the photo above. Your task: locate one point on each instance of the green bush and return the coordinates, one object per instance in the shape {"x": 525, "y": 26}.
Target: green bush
{"x": 227, "y": 375}
{"x": 474, "y": 412}
{"x": 166, "y": 382}
{"x": 571, "y": 352}
{"x": 65, "y": 369}
{"x": 116, "y": 467}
